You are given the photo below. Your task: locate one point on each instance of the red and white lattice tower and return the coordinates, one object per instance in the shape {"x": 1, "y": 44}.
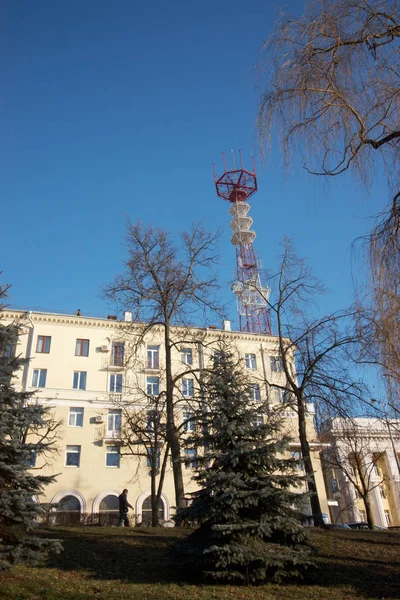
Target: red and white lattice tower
{"x": 237, "y": 186}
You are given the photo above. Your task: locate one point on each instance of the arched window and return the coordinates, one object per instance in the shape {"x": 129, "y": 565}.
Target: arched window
{"x": 109, "y": 510}
{"x": 146, "y": 511}
{"x": 68, "y": 511}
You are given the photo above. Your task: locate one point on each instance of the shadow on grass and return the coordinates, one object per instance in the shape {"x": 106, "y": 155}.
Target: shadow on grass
{"x": 368, "y": 564}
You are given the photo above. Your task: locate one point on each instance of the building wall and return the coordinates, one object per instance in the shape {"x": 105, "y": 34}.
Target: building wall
{"x": 374, "y": 439}
{"x": 93, "y": 480}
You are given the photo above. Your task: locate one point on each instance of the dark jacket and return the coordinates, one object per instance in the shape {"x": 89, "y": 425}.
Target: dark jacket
{"x": 123, "y": 503}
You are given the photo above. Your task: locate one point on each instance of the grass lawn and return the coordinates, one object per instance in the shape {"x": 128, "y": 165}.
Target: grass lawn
{"x": 135, "y": 564}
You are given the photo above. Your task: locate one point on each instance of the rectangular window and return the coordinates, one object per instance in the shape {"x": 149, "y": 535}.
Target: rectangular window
{"x": 114, "y": 419}
{"x": 255, "y": 392}
{"x": 31, "y": 459}
{"x": 190, "y": 458}
{"x": 278, "y": 395}
{"x": 150, "y": 453}
{"x": 382, "y": 492}
{"x": 276, "y": 364}
{"x": 116, "y": 383}
{"x": 79, "y": 380}
{"x": 297, "y": 456}
{"x": 188, "y": 388}
{"x": 75, "y": 418}
{"x": 117, "y": 354}
{"x": 250, "y": 360}
{"x": 39, "y": 378}
{"x": 73, "y": 456}
{"x": 153, "y": 420}
{"x": 388, "y": 517}
{"x": 258, "y": 421}
{"x": 153, "y": 386}
{"x": 153, "y": 357}
{"x": 43, "y": 344}
{"x": 363, "y": 515}
{"x": 219, "y": 356}
{"x": 187, "y": 356}
{"x": 112, "y": 456}
{"x": 82, "y": 348}
{"x": 188, "y": 421}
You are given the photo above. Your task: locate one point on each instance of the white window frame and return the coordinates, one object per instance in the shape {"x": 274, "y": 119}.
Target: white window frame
{"x": 278, "y": 394}
{"x": 72, "y": 450}
{"x": 187, "y": 388}
{"x": 190, "y": 458}
{"x": 113, "y": 416}
{"x": 81, "y": 375}
{"x": 113, "y": 451}
{"x": 153, "y": 357}
{"x": 153, "y": 386}
{"x": 250, "y": 360}
{"x": 276, "y": 364}
{"x": 74, "y": 413}
{"x": 258, "y": 421}
{"x": 388, "y": 516}
{"x": 114, "y": 386}
{"x": 36, "y": 376}
{"x": 255, "y": 392}
{"x": 189, "y": 423}
{"x": 187, "y": 356}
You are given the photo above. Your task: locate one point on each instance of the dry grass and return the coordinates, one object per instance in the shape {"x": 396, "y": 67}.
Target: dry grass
{"x": 135, "y": 564}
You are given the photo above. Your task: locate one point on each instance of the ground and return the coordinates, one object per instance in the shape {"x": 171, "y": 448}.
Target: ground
{"x": 136, "y": 564}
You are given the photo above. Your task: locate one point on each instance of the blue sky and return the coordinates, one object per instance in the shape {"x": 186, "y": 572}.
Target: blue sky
{"x": 114, "y": 108}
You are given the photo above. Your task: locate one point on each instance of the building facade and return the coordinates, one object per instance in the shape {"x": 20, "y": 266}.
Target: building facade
{"x": 89, "y": 369}
{"x": 363, "y": 459}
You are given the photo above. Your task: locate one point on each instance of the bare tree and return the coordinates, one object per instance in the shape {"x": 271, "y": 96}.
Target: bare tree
{"x": 333, "y": 94}
{"x": 320, "y": 348}
{"x": 165, "y": 285}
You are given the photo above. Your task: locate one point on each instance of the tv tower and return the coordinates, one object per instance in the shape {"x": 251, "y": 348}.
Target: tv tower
{"x": 237, "y": 186}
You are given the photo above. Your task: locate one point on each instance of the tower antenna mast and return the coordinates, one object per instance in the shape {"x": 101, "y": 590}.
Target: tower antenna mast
{"x": 237, "y": 186}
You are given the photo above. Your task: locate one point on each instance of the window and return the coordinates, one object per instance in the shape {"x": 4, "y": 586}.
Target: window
{"x": 250, "y": 360}
{"x": 31, "y": 458}
{"x": 278, "y": 395}
{"x": 73, "y": 456}
{"x": 388, "y": 517}
{"x": 382, "y": 492}
{"x": 112, "y": 456}
{"x": 151, "y": 452}
{"x": 43, "y": 344}
{"x": 276, "y": 364}
{"x": 297, "y": 456}
{"x": 188, "y": 388}
{"x": 117, "y": 354}
{"x": 363, "y": 515}
{"x": 219, "y": 356}
{"x": 82, "y": 348}
{"x": 75, "y": 417}
{"x": 153, "y": 357}
{"x": 188, "y": 421}
{"x": 79, "y": 380}
{"x": 116, "y": 383}
{"x": 254, "y": 391}
{"x": 153, "y": 420}
{"x": 190, "y": 458}
{"x": 153, "y": 386}
{"x": 114, "y": 419}
{"x": 258, "y": 421}
{"x": 187, "y": 356}
{"x": 39, "y": 378}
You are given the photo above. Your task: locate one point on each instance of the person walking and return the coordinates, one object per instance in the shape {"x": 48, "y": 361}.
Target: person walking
{"x": 123, "y": 508}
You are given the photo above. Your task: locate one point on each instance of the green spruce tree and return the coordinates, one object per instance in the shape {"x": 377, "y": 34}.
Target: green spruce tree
{"x": 247, "y": 506}
{"x": 18, "y": 484}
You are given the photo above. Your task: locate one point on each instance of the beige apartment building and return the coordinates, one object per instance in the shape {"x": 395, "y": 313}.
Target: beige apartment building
{"x": 87, "y": 368}
{"x": 367, "y": 448}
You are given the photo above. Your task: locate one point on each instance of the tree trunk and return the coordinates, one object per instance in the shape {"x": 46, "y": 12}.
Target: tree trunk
{"x": 154, "y": 504}
{"x": 308, "y": 467}
{"x": 172, "y": 432}
{"x": 368, "y": 511}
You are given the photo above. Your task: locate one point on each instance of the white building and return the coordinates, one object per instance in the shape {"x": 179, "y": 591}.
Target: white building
{"x": 85, "y": 367}
{"x": 368, "y": 449}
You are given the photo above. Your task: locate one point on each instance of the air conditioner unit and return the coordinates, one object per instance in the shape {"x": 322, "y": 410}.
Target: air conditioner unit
{"x": 99, "y": 419}
{"x": 104, "y": 348}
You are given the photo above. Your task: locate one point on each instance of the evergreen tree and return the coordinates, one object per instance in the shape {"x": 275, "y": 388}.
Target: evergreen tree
{"x": 18, "y": 484}
{"x": 246, "y": 505}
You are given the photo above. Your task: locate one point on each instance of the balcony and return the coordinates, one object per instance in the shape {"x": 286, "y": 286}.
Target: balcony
{"x": 112, "y": 436}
